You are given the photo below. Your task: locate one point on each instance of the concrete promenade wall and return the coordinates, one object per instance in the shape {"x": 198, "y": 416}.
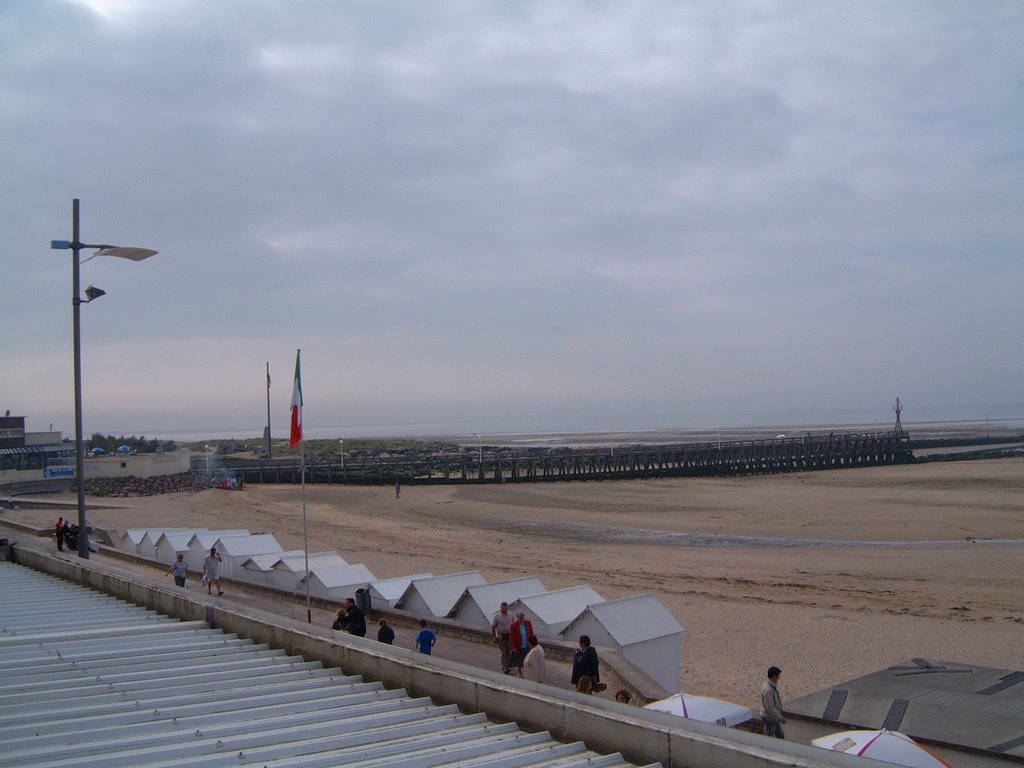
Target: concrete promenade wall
{"x": 606, "y": 726}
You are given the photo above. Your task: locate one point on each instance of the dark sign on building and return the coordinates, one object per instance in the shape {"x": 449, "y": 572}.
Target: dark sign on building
{"x": 12, "y": 431}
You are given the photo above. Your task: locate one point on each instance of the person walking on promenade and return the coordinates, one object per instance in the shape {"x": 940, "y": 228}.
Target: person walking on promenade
{"x": 771, "y": 705}
{"x": 385, "y": 634}
{"x": 211, "y": 570}
{"x": 59, "y": 529}
{"x": 519, "y": 640}
{"x": 180, "y": 569}
{"x": 425, "y": 639}
{"x": 585, "y": 664}
{"x": 501, "y": 628}
{"x": 535, "y": 663}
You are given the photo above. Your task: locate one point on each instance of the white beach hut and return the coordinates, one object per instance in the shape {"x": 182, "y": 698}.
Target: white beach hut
{"x": 171, "y": 543}
{"x": 257, "y": 569}
{"x": 640, "y": 629}
{"x": 436, "y": 596}
{"x": 337, "y": 583}
{"x": 480, "y": 602}
{"x": 235, "y": 550}
{"x": 288, "y": 571}
{"x": 132, "y": 540}
{"x": 387, "y": 592}
{"x": 199, "y": 546}
{"x": 148, "y": 544}
{"x": 550, "y": 612}
{"x": 129, "y": 540}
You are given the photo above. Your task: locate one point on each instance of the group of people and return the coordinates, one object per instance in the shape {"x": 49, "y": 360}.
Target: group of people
{"x": 352, "y": 619}
{"x": 517, "y": 644}
{"x": 66, "y": 534}
{"x": 211, "y": 571}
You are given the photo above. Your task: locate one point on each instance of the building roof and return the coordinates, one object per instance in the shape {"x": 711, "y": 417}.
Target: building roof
{"x": 634, "y": 619}
{"x": 490, "y": 596}
{"x": 99, "y": 682}
{"x": 392, "y": 589}
{"x": 560, "y": 606}
{"x": 343, "y": 576}
{"x": 208, "y": 538}
{"x": 296, "y": 562}
{"x": 267, "y": 561}
{"x": 441, "y": 592}
{"x": 253, "y": 544}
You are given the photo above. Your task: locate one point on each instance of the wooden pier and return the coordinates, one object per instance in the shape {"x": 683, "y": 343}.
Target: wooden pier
{"x": 527, "y": 465}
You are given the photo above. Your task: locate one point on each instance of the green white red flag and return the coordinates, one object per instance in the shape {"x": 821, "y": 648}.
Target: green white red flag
{"x": 297, "y": 405}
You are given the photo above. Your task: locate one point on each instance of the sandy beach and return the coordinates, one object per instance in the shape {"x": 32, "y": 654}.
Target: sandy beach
{"x": 829, "y": 575}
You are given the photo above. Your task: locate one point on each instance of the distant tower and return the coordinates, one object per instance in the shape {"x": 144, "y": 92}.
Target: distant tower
{"x": 898, "y": 408}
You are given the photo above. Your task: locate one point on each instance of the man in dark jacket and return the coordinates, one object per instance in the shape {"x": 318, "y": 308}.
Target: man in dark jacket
{"x": 355, "y": 619}
{"x": 585, "y": 673}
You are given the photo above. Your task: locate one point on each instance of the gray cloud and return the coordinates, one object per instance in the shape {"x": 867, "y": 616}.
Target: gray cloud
{"x": 487, "y": 217}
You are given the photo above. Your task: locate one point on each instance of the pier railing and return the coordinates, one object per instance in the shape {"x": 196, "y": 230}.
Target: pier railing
{"x": 518, "y": 465}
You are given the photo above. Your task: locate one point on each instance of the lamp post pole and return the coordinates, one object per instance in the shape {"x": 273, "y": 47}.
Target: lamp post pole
{"x": 76, "y": 246}
{"x": 76, "y": 313}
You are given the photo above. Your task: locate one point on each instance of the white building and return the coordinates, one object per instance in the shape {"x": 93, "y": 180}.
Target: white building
{"x": 551, "y": 612}
{"x": 479, "y": 603}
{"x": 437, "y": 596}
{"x": 142, "y": 541}
{"x": 387, "y": 592}
{"x": 338, "y": 583}
{"x": 171, "y": 543}
{"x": 640, "y": 629}
{"x": 257, "y": 568}
{"x": 289, "y": 571}
{"x": 235, "y": 550}
{"x": 199, "y": 546}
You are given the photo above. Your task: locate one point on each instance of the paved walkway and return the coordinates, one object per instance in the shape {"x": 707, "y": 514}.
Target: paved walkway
{"x": 452, "y": 648}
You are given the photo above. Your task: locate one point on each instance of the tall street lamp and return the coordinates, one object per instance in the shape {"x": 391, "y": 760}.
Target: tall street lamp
{"x": 76, "y": 246}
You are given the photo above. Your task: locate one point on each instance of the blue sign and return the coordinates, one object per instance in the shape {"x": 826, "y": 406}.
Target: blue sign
{"x": 59, "y": 472}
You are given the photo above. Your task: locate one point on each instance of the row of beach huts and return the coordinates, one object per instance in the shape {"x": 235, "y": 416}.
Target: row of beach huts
{"x": 638, "y": 628}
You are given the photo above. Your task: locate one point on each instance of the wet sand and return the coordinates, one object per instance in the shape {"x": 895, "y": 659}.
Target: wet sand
{"x": 829, "y": 575}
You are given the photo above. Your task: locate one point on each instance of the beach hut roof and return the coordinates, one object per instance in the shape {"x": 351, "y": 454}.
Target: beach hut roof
{"x": 266, "y": 562}
{"x": 296, "y": 561}
{"x": 136, "y": 535}
{"x": 208, "y": 538}
{"x": 441, "y": 592}
{"x": 177, "y": 539}
{"x": 392, "y": 589}
{"x": 342, "y": 576}
{"x": 489, "y": 596}
{"x": 561, "y": 604}
{"x": 254, "y": 544}
{"x": 634, "y": 619}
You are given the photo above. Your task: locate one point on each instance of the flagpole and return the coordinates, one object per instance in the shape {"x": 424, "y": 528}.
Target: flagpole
{"x": 305, "y": 527}
{"x": 268, "y": 410}
{"x": 297, "y": 440}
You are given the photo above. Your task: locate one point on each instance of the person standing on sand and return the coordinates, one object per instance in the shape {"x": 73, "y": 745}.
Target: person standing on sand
{"x": 771, "y": 705}
{"x": 211, "y": 569}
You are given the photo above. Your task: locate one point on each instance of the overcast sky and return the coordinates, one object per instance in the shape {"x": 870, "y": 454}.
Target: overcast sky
{"x": 514, "y": 216}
